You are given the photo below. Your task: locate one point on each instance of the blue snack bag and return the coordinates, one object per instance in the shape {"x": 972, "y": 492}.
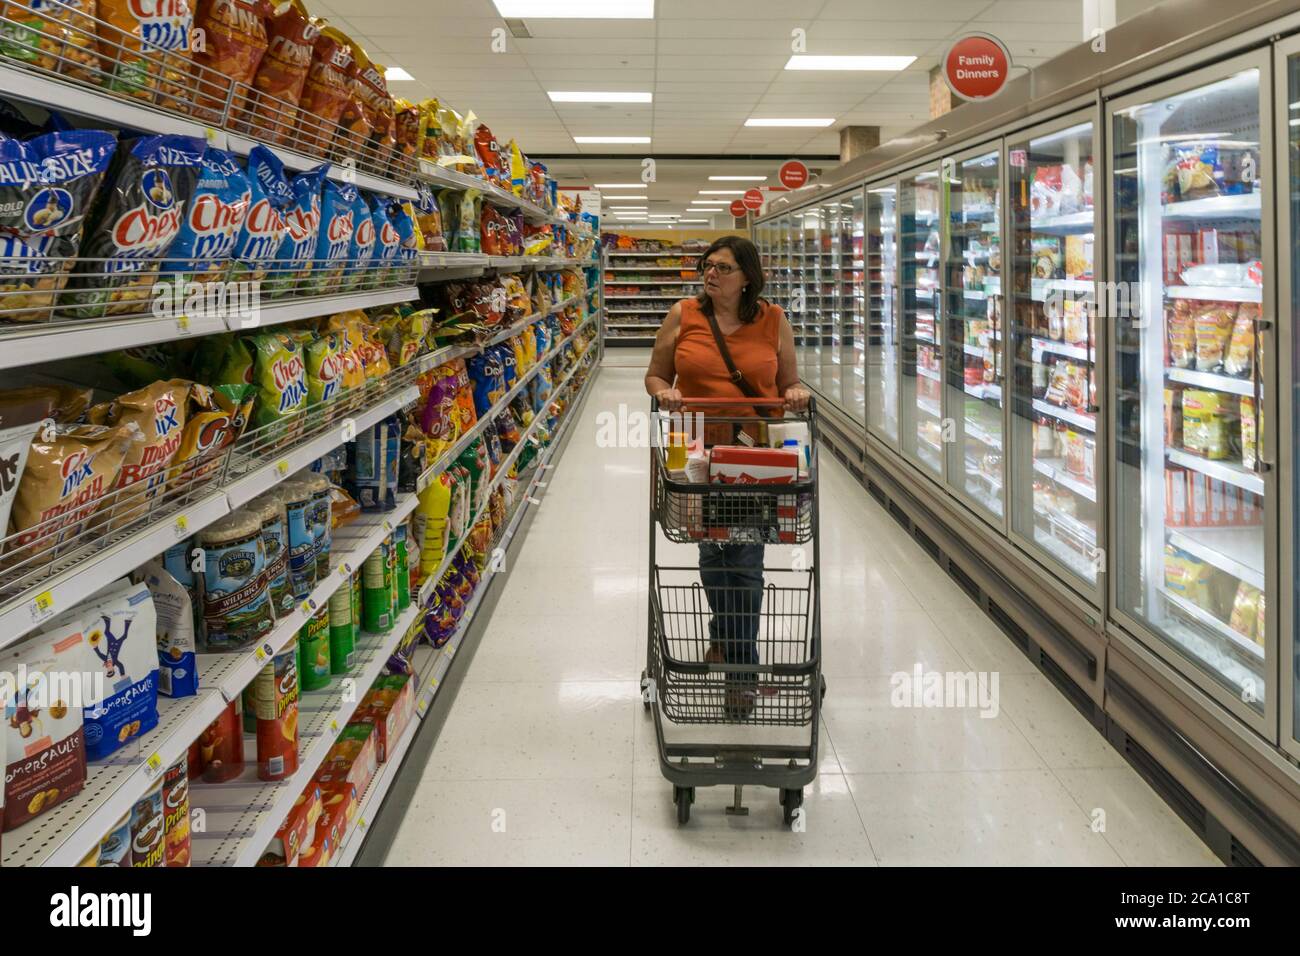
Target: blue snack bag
{"x": 212, "y": 222}
{"x": 302, "y": 220}
{"x": 399, "y": 213}
{"x": 336, "y": 236}
{"x": 265, "y": 226}
{"x": 388, "y": 242}
{"x": 359, "y": 270}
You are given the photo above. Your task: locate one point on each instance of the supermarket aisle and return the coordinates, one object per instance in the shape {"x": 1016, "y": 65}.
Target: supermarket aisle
{"x": 548, "y": 757}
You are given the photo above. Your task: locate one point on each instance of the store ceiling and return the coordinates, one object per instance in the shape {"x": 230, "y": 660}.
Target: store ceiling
{"x": 710, "y": 65}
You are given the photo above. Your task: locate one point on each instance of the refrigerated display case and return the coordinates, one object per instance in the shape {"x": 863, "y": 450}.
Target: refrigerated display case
{"x": 973, "y": 315}
{"x": 882, "y": 346}
{"x": 830, "y": 303}
{"x": 1193, "y": 498}
{"x": 849, "y": 332}
{"x": 1055, "y": 510}
{"x": 1288, "y": 112}
{"x": 922, "y": 422}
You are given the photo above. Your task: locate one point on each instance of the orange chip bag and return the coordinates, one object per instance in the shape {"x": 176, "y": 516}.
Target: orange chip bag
{"x": 282, "y": 74}
{"x": 217, "y": 418}
{"x": 327, "y": 89}
{"x": 146, "y": 50}
{"x": 64, "y": 481}
{"x": 234, "y": 42}
{"x": 59, "y": 38}
{"x": 370, "y": 84}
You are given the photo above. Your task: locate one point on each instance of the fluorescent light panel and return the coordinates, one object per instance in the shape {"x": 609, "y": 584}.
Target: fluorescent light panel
{"x": 611, "y": 139}
{"x": 802, "y": 61}
{"x": 395, "y": 74}
{"x": 738, "y": 179}
{"x": 579, "y": 96}
{"x": 722, "y": 192}
{"x": 620, "y": 198}
{"x": 620, "y": 185}
{"x": 788, "y": 122}
{"x": 576, "y": 9}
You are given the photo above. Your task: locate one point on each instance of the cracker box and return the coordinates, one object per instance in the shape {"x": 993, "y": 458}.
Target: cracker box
{"x": 341, "y": 806}
{"x": 299, "y": 825}
{"x": 317, "y": 852}
{"x": 740, "y": 465}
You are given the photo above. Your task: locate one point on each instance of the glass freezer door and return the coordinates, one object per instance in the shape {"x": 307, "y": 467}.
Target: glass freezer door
{"x": 882, "y": 345}
{"x": 852, "y": 308}
{"x": 1191, "y": 500}
{"x": 973, "y": 313}
{"x": 809, "y": 292}
{"x": 829, "y": 265}
{"x": 921, "y": 376}
{"x": 1054, "y": 504}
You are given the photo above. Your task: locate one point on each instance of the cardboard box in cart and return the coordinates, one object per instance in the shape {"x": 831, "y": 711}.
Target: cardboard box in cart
{"x": 742, "y": 465}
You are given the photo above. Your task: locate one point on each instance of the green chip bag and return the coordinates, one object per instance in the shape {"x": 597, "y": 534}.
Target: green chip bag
{"x": 280, "y": 376}
{"x": 324, "y": 355}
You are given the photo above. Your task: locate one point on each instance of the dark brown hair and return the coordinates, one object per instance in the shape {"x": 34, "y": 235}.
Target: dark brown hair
{"x": 746, "y": 254}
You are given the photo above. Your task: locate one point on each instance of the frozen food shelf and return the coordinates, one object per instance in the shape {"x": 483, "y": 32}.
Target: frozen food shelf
{"x": 1078, "y": 352}
{"x": 1075, "y": 222}
{"x": 1240, "y": 206}
{"x": 973, "y": 470}
{"x": 1211, "y": 293}
{"x": 1078, "y": 419}
{"x": 1054, "y": 468}
{"x": 989, "y": 393}
{"x": 1085, "y": 536}
{"x": 1069, "y": 557}
{"x": 1236, "y": 551}
{"x": 1233, "y": 474}
{"x": 1205, "y": 618}
{"x": 1079, "y": 289}
{"x": 930, "y": 373}
{"x": 929, "y": 406}
{"x": 243, "y": 814}
{"x": 983, "y": 435}
{"x": 1212, "y": 380}
{"x": 978, "y": 350}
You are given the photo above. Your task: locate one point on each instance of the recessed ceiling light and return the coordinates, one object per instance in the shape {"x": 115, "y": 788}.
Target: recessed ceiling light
{"x": 806, "y": 62}
{"x": 788, "y": 122}
{"x": 738, "y": 179}
{"x": 722, "y": 192}
{"x": 611, "y": 139}
{"x": 710, "y": 202}
{"x": 395, "y": 74}
{"x": 617, "y": 198}
{"x": 609, "y": 97}
{"x": 692, "y": 220}
{"x": 621, "y": 186}
{"x": 577, "y": 9}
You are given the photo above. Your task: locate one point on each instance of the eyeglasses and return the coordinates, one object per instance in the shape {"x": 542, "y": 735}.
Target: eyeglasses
{"x": 724, "y": 268}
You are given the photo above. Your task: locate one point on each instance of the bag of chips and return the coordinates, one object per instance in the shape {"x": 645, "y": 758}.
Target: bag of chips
{"x": 324, "y": 367}
{"x": 388, "y": 241}
{"x": 55, "y": 38}
{"x": 217, "y": 417}
{"x": 146, "y": 50}
{"x": 302, "y": 222}
{"x": 372, "y": 88}
{"x": 467, "y": 222}
{"x": 282, "y": 74}
{"x": 216, "y": 214}
{"x": 327, "y": 89}
{"x": 360, "y": 272}
{"x": 153, "y": 179}
{"x": 47, "y": 186}
{"x": 280, "y": 375}
{"x": 334, "y": 240}
{"x": 406, "y": 128}
{"x": 264, "y": 228}
{"x": 158, "y": 411}
{"x": 235, "y": 41}
{"x": 1241, "y": 350}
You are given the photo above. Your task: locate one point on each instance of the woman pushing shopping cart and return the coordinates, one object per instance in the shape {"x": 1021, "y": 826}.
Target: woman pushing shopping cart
{"x": 734, "y": 641}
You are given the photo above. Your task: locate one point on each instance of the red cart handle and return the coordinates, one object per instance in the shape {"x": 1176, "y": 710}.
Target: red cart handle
{"x": 733, "y": 401}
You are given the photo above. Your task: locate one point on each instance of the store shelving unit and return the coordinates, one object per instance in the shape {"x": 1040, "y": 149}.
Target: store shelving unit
{"x": 646, "y": 270}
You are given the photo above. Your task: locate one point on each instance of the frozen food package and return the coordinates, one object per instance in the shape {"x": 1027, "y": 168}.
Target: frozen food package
{"x": 282, "y": 74}
{"x": 235, "y": 41}
{"x": 45, "y": 743}
{"x": 1224, "y": 274}
{"x": 1188, "y": 577}
{"x": 1206, "y": 423}
{"x": 48, "y": 184}
{"x": 302, "y": 222}
{"x": 237, "y": 608}
{"x": 1241, "y": 348}
{"x": 1249, "y": 432}
{"x": 1181, "y": 328}
{"x": 1245, "y": 610}
{"x": 145, "y": 50}
{"x": 215, "y": 215}
{"x": 70, "y": 468}
{"x": 1213, "y": 331}
{"x": 137, "y": 216}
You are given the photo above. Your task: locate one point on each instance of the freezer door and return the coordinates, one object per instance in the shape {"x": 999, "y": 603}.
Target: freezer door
{"x": 829, "y": 264}
{"x": 852, "y": 307}
{"x": 882, "y": 342}
{"x": 1053, "y": 459}
{"x": 1190, "y": 248}
{"x": 922, "y": 429}
{"x": 1288, "y": 111}
{"x": 973, "y": 317}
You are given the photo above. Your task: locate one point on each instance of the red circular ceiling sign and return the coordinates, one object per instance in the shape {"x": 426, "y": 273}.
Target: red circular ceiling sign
{"x": 793, "y": 174}
{"x": 753, "y": 199}
{"x": 976, "y": 67}
{"x": 737, "y": 208}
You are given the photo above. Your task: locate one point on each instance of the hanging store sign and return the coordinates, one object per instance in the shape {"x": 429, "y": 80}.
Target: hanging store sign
{"x": 976, "y": 67}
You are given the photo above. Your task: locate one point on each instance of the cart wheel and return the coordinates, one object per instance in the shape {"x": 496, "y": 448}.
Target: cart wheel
{"x": 791, "y": 800}
{"x": 683, "y": 797}
{"x": 823, "y": 689}
{"x": 645, "y": 698}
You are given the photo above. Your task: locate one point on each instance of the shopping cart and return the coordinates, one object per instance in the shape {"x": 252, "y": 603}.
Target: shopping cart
{"x": 702, "y": 668}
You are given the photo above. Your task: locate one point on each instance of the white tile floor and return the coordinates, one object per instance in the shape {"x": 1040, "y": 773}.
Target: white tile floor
{"x": 548, "y": 756}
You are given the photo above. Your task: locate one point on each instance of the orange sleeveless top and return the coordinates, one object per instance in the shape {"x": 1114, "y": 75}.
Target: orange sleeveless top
{"x": 701, "y": 372}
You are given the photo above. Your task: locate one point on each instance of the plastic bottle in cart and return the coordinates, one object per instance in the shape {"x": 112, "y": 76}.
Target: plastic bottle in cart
{"x": 792, "y": 444}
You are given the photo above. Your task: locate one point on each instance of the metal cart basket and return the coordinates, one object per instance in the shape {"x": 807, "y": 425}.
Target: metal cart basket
{"x": 744, "y": 657}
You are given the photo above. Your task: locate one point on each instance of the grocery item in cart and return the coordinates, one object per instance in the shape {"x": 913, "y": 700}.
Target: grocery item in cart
{"x": 282, "y": 74}
{"x": 48, "y": 184}
{"x": 158, "y": 411}
{"x": 45, "y": 745}
{"x": 176, "y": 814}
{"x": 327, "y": 89}
{"x": 237, "y": 608}
{"x": 69, "y": 469}
{"x": 302, "y": 222}
{"x": 149, "y": 829}
{"x": 213, "y": 221}
{"x": 136, "y": 218}
{"x": 335, "y": 238}
{"x": 145, "y": 50}
{"x": 235, "y": 41}
{"x": 120, "y": 628}
{"x": 276, "y": 692}
{"x": 174, "y": 612}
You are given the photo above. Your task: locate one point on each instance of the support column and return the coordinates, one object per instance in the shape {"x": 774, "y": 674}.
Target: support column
{"x": 856, "y": 140}
{"x": 940, "y": 95}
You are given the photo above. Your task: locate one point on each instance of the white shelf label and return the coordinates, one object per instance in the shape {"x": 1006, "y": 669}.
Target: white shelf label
{"x": 42, "y": 607}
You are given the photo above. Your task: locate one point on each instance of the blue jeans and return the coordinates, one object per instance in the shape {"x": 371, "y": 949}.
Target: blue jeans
{"x": 732, "y": 575}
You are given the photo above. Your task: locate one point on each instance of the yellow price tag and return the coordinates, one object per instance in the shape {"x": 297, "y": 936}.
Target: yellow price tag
{"x": 260, "y": 654}
{"x": 212, "y": 135}
{"x": 361, "y": 823}
{"x": 282, "y": 466}
{"x": 42, "y": 606}
{"x": 306, "y": 607}
{"x": 153, "y": 765}
{"x": 334, "y": 726}
{"x": 182, "y": 525}
{"x": 182, "y": 324}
